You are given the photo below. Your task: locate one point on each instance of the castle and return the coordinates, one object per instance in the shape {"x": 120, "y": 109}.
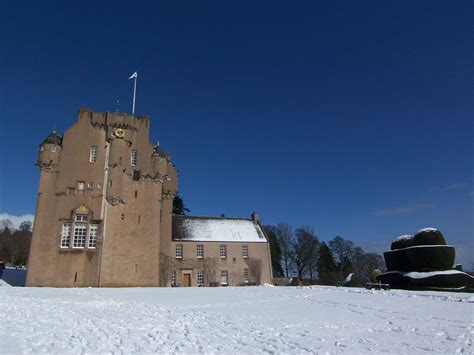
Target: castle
{"x": 104, "y": 216}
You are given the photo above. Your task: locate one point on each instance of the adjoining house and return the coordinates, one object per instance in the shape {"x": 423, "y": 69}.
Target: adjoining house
{"x": 104, "y": 216}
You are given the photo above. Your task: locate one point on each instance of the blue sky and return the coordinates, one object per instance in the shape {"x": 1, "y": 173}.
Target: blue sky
{"x": 351, "y": 117}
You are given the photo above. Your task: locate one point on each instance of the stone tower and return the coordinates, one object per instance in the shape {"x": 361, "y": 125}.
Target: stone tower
{"x": 104, "y": 203}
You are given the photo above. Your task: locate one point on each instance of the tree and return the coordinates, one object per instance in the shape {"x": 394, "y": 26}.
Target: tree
{"x": 15, "y": 244}
{"x": 343, "y": 250}
{"x": 285, "y": 239}
{"x": 178, "y": 206}
{"x": 326, "y": 266}
{"x": 275, "y": 251}
{"x": 304, "y": 251}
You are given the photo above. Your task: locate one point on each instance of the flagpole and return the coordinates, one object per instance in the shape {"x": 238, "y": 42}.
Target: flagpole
{"x": 134, "y": 93}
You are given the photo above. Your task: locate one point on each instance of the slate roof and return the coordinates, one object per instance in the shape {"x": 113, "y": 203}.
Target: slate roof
{"x": 216, "y": 229}
{"x": 53, "y": 138}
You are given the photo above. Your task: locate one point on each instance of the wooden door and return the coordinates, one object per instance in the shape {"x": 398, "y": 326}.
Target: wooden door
{"x": 186, "y": 280}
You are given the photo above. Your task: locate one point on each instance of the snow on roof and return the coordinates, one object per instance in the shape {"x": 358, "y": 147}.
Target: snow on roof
{"x": 207, "y": 229}
{"x": 403, "y": 237}
{"x": 427, "y": 230}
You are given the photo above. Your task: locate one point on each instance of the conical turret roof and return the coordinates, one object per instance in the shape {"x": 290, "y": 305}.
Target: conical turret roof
{"x": 53, "y": 138}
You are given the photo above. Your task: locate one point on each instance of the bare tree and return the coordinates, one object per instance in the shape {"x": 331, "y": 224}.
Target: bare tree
{"x": 165, "y": 269}
{"x": 209, "y": 266}
{"x": 255, "y": 270}
{"x": 343, "y": 250}
{"x": 304, "y": 252}
{"x": 285, "y": 239}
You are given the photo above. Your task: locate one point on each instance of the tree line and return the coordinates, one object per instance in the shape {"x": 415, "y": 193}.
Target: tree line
{"x": 300, "y": 253}
{"x": 15, "y": 243}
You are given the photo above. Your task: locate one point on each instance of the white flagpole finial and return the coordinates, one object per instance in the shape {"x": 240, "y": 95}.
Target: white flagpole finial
{"x": 134, "y": 76}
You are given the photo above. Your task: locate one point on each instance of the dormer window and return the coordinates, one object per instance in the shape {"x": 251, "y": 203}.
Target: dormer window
{"x": 81, "y": 218}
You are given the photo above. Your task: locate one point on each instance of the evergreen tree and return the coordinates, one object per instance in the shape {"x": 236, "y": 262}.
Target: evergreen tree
{"x": 275, "y": 251}
{"x": 326, "y": 266}
{"x": 178, "y": 206}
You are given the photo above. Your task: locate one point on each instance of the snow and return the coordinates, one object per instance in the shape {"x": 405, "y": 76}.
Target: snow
{"x": 422, "y": 275}
{"x": 222, "y": 230}
{"x": 429, "y": 229}
{"x": 235, "y": 320}
{"x": 403, "y": 237}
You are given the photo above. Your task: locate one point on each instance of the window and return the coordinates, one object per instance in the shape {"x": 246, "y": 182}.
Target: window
{"x": 41, "y": 148}
{"x": 90, "y": 185}
{"x": 81, "y": 218}
{"x": 66, "y": 235}
{"x": 173, "y": 278}
{"x": 224, "y": 277}
{"x": 200, "y": 278}
{"x": 80, "y": 186}
{"x": 179, "y": 251}
{"x": 80, "y": 232}
{"x": 93, "y": 154}
{"x": 133, "y": 157}
{"x": 53, "y": 148}
{"x": 223, "y": 251}
{"x": 93, "y": 236}
{"x": 246, "y": 275}
{"x": 136, "y": 175}
{"x": 245, "y": 251}
{"x": 70, "y": 191}
{"x": 200, "y": 250}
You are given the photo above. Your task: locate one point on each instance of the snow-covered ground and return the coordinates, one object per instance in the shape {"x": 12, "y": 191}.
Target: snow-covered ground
{"x": 234, "y": 320}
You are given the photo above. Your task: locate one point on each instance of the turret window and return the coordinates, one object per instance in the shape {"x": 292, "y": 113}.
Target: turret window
{"x": 53, "y": 148}
{"x": 134, "y": 157}
{"x": 93, "y": 154}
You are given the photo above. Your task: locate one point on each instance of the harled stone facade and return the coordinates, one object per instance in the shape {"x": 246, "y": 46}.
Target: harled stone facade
{"x": 104, "y": 207}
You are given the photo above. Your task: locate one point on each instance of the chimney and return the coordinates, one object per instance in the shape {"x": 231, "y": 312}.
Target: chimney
{"x": 254, "y": 216}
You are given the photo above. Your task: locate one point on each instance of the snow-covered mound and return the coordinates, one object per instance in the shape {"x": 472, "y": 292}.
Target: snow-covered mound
{"x": 234, "y": 320}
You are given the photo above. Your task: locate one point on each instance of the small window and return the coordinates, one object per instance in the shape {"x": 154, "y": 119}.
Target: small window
{"x": 136, "y": 193}
{"x": 93, "y": 236}
{"x": 179, "y": 251}
{"x": 81, "y": 218}
{"x": 90, "y": 185}
{"x": 245, "y": 251}
{"x": 133, "y": 157}
{"x": 80, "y": 232}
{"x": 136, "y": 175}
{"x": 173, "y": 278}
{"x": 65, "y": 235}
{"x": 120, "y": 161}
{"x": 93, "y": 154}
{"x": 99, "y": 186}
{"x": 53, "y": 148}
{"x": 41, "y": 148}
{"x": 246, "y": 275}
{"x": 223, "y": 251}
{"x": 80, "y": 186}
{"x": 200, "y": 278}
{"x": 110, "y": 183}
{"x": 70, "y": 191}
{"x": 200, "y": 250}
{"x": 224, "y": 278}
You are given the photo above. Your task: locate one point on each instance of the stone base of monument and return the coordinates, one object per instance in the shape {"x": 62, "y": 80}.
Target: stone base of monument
{"x": 447, "y": 280}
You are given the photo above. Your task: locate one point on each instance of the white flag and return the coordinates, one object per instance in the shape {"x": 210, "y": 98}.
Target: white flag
{"x": 134, "y": 75}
